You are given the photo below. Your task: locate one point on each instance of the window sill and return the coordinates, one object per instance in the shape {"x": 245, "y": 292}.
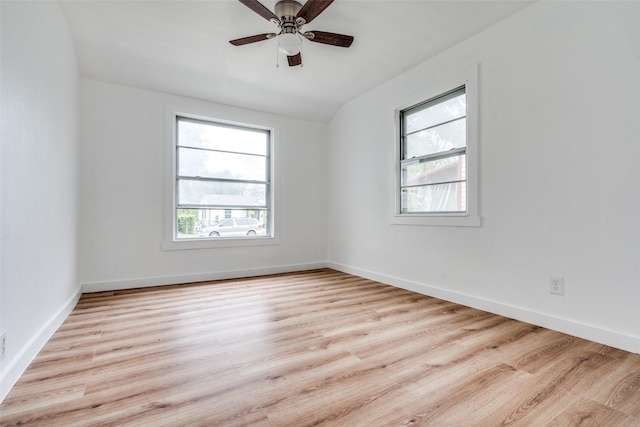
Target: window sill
{"x": 437, "y": 220}
{"x": 174, "y": 245}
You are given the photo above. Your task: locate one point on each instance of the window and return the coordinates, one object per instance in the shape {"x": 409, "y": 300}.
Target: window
{"x": 222, "y": 180}
{"x": 436, "y": 157}
{"x": 433, "y": 155}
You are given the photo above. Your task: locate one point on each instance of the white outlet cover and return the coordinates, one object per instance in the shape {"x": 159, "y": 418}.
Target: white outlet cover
{"x": 556, "y": 286}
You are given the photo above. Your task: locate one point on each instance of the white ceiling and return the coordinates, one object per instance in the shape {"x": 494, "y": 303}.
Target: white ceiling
{"x": 181, "y": 47}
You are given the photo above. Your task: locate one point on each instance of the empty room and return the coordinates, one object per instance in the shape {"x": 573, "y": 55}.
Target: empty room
{"x": 318, "y": 212}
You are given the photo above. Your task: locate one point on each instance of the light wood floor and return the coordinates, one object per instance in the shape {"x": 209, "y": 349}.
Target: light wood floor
{"x": 314, "y": 348}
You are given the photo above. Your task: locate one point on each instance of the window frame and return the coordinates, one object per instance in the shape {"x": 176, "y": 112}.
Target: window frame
{"x": 170, "y": 241}
{"x": 469, "y": 80}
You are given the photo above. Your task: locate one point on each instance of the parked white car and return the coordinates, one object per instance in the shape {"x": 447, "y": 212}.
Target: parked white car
{"x": 233, "y": 227}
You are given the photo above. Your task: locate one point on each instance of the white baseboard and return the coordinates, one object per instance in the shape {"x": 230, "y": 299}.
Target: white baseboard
{"x": 13, "y": 369}
{"x": 590, "y": 332}
{"x": 143, "y": 282}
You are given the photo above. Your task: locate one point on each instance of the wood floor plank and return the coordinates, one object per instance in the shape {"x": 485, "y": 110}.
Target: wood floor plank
{"x": 465, "y": 398}
{"x": 556, "y": 389}
{"x": 314, "y": 348}
{"x": 620, "y": 389}
{"x": 593, "y": 414}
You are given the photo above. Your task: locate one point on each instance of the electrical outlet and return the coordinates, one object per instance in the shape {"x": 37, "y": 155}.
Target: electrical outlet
{"x": 557, "y": 286}
{"x": 3, "y": 341}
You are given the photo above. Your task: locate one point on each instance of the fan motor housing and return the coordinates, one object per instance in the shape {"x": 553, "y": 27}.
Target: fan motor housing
{"x": 287, "y": 9}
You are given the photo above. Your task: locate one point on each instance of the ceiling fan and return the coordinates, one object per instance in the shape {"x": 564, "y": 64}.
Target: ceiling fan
{"x": 290, "y": 16}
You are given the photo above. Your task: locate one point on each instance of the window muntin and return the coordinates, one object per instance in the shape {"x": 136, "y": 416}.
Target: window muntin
{"x": 222, "y": 171}
{"x": 433, "y": 145}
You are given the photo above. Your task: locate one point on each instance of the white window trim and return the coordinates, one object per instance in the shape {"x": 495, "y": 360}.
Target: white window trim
{"x": 171, "y": 112}
{"x": 471, "y": 218}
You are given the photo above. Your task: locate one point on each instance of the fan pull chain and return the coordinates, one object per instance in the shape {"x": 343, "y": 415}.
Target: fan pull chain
{"x": 277, "y": 58}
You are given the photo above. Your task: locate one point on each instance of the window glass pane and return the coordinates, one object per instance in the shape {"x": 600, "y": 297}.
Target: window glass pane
{"x": 223, "y": 138}
{"x": 197, "y": 223}
{"x": 216, "y": 164}
{"x": 436, "y": 139}
{"x": 428, "y": 115}
{"x": 435, "y": 198}
{"x": 434, "y": 171}
{"x": 192, "y": 192}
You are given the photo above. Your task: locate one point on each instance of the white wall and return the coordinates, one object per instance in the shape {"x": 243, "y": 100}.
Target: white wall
{"x": 121, "y": 193}
{"x": 559, "y": 152}
{"x": 38, "y": 279}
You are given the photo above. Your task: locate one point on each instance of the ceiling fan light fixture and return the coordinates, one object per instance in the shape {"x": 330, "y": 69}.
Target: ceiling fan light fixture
{"x": 290, "y": 16}
{"x": 289, "y": 44}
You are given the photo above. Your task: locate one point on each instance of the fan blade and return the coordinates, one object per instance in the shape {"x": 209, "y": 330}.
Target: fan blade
{"x": 313, "y": 8}
{"x": 252, "y": 39}
{"x": 260, "y": 9}
{"x": 333, "y": 39}
{"x": 294, "y": 60}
